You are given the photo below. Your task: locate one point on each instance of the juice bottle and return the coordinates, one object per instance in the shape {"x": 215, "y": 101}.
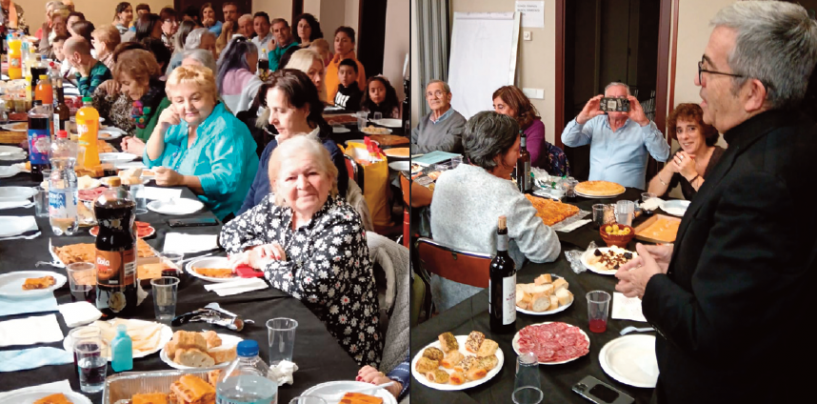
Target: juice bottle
{"x": 44, "y": 91}
{"x": 15, "y": 59}
{"x": 88, "y": 129}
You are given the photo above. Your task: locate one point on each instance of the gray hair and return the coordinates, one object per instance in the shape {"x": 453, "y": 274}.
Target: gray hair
{"x": 616, "y": 83}
{"x": 487, "y": 135}
{"x": 445, "y": 85}
{"x": 245, "y": 17}
{"x": 194, "y": 38}
{"x": 301, "y": 146}
{"x": 202, "y": 56}
{"x": 776, "y": 43}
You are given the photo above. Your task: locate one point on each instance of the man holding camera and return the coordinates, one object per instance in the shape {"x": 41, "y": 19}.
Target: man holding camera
{"x": 620, "y": 141}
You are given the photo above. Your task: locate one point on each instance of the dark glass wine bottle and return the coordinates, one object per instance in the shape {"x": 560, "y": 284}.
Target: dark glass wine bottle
{"x": 523, "y": 180}
{"x": 502, "y": 284}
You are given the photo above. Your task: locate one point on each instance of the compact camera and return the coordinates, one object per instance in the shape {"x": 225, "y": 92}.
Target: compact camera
{"x": 609, "y": 104}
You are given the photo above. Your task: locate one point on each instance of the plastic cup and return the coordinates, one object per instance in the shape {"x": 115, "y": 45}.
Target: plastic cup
{"x": 527, "y": 388}
{"x": 90, "y": 364}
{"x": 41, "y": 202}
{"x": 625, "y": 211}
{"x": 645, "y": 196}
{"x": 164, "y": 298}
{"x": 138, "y": 192}
{"x": 598, "y": 306}
{"x": 281, "y": 333}
{"x": 82, "y": 281}
{"x": 598, "y": 215}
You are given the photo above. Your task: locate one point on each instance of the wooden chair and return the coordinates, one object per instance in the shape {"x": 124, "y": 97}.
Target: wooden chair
{"x": 450, "y": 263}
{"x": 354, "y": 171}
{"x": 414, "y": 195}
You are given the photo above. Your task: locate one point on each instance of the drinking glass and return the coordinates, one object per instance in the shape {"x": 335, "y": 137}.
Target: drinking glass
{"x": 82, "y": 281}
{"x": 175, "y": 259}
{"x": 598, "y": 215}
{"x": 527, "y": 388}
{"x": 625, "y": 210}
{"x": 92, "y": 366}
{"x": 164, "y": 298}
{"x": 362, "y": 120}
{"x": 307, "y": 400}
{"x": 598, "y": 305}
{"x": 139, "y": 195}
{"x": 456, "y": 161}
{"x": 281, "y": 333}
{"x": 41, "y": 202}
{"x": 377, "y": 116}
{"x": 645, "y": 196}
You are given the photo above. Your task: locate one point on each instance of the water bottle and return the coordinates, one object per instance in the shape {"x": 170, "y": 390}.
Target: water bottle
{"x": 245, "y": 381}
{"x": 62, "y": 187}
{"x": 122, "y": 350}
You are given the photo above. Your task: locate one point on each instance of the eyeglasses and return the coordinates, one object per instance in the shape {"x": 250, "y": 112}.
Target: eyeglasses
{"x": 701, "y": 70}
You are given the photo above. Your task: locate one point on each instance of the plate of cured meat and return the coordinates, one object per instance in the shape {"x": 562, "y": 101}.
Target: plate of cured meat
{"x": 553, "y": 343}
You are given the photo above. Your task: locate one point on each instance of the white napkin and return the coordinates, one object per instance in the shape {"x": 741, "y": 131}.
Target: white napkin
{"x": 573, "y": 226}
{"x": 282, "y": 373}
{"x": 30, "y": 331}
{"x": 10, "y": 306}
{"x": 28, "y": 221}
{"x": 190, "y": 243}
{"x": 16, "y": 204}
{"x": 62, "y": 386}
{"x": 161, "y": 194}
{"x": 79, "y": 313}
{"x": 652, "y": 204}
{"x": 237, "y": 286}
{"x": 627, "y": 308}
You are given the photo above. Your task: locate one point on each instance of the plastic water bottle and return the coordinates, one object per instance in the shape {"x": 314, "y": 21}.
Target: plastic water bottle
{"x": 245, "y": 380}
{"x": 62, "y": 187}
{"x": 122, "y": 350}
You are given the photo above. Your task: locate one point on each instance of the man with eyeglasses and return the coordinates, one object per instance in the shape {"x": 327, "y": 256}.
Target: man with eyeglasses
{"x": 169, "y": 26}
{"x": 620, "y": 142}
{"x": 442, "y": 128}
{"x": 732, "y": 301}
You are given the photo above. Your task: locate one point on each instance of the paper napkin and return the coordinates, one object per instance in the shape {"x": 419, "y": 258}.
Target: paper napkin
{"x": 16, "y": 204}
{"x": 283, "y": 372}
{"x": 79, "y": 313}
{"x": 237, "y": 287}
{"x": 30, "y": 331}
{"x": 627, "y": 308}
{"x": 32, "y": 358}
{"x": 190, "y": 243}
{"x": 12, "y": 306}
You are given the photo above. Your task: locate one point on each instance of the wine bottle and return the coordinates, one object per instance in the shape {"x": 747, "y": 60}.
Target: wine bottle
{"x": 502, "y": 284}
{"x": 523, "y": 180}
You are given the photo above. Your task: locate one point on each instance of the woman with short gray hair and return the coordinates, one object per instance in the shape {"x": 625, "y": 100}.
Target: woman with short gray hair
{"x": 201, "y": 38}
{"x": 469, "y": 199}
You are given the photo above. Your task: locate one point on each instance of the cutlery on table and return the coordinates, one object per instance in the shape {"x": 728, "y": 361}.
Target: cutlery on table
{"x": 630, "y": 329}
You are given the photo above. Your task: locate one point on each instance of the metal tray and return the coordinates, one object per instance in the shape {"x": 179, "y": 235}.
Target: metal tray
{"x": 121, "y": 387}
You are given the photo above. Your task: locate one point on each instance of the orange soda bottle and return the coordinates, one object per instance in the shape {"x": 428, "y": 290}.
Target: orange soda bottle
{"x": 15, "y": 59}
{"x": 44, "y": 91}
{"x": 88, "y": 128}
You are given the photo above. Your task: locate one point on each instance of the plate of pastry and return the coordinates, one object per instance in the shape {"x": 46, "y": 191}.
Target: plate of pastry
{"x": 53, "y": 395}
{"x": 212, "y": 269}
{"x": 190, "y": 350}
{"x": 607, "y": 260}
{"x": 599, "y": 189}
{"x": 30, "y": 283}
{"x": 457, "y": 362}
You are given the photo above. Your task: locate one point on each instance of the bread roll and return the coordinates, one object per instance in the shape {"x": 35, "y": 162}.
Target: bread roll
{"x": 212, "y": 339}
{"x": 475, "y": 339}
{"x": 523, "y": 305}
{"x": 560, "y": 283}
{"x": 450, "y": 360}
{"x": 476, "y": 373}
{"x": 194, "y": 358}
{"x": 433, "y": 354}
{"x": 190, "y": 340}
{"x": 437, "y": 376}
{"x": 543, "y": 279}
{"x": 457, "y": 378}
{"x": 546, "y": 290}
{"x": 467, "y": 363}
{"x": 222, "y": 354}
{"x": 191, "y": 389}
{"x": 487, "y": 348}
{"x": 170, "y": 349}
{"x": 564, "y": 296}
{"x": 540, "y": 303}
{"x": 449, "y": 342}
{"x": 488, "y": 362}
{"x": 425, "y": 365}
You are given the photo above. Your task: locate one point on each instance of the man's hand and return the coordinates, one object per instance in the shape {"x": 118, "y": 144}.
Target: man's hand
{"x": 84, "y": 70}
{"x": 634, "y": 275}
{"x": 590, "y": 110}
{"x": 636, "y": 113}
{"x": 208, "y": 22}
{"x": 227, "y": 26}
{"x": 685, "y": 164}
{"x": 371, "y": 375}
{"x": 166, "y": 177}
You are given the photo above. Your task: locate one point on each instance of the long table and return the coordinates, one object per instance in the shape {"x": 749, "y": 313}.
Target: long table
{"x": 318, "y": 355}
{"x": 557, "y": 380}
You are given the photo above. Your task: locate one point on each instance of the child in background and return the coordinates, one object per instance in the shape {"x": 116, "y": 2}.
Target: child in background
{"x": 67, "y": 72}
{"x": 349, "y": 94}
{"x": 381, "y": 97}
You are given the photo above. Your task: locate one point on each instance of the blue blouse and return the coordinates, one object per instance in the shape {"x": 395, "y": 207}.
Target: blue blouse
{"x": 222, "y": 157}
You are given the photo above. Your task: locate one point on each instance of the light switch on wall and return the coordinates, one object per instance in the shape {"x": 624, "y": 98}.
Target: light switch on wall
{"x": 526, "y": 35}
{"x": 534, "y": 93}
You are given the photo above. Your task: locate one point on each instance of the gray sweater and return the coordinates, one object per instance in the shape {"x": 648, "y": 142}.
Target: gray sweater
{"x": 445, "y": 135}
{"x": 467, "y": 203}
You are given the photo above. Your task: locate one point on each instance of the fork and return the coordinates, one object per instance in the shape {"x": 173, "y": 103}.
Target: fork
{"x": 630, "y": 329}
{"x": 33, "y": 236}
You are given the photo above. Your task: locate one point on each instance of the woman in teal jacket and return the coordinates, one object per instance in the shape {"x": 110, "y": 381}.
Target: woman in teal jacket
{"x": 199, "y": 144}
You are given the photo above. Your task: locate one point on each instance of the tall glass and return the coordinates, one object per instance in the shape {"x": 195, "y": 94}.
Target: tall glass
{"x": 82, "y": 281}
{"x": 92, "y": 366}
{"x": 625, "y": 211}
{"x": 281, "y": 333}
{"x": 527, "y": 388}
{"x": 598, "y": 308}
{"x": 164, "y": 298}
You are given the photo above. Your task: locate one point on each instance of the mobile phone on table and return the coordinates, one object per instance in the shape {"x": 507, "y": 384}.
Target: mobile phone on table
{"x": 197, "y": 222}
{"x": 600, "y": 393}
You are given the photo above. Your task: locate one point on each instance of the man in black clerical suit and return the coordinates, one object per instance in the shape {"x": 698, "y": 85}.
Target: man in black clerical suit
{"x": 734, "y": 301}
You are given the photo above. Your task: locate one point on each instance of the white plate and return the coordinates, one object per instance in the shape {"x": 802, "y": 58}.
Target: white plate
{"x": 177, "y": 207}
{"x": 631, "y": 360}
{"x": 591, "y": 268}
{"x": 340, "y": 129}
{"x": 167, "y": 335}
{"x": 210, "y": 262}
{"x": 16, "y": 193}
{"x": 14, "y": 225}
{"x": 451, "y": 387}
{"x": 389, "y": 122}
{"x": 9, "y": 171}
{"x": 13, "y": 157}
{"x": 131, "y": 164}
{"x": 15, "y": 127}
{"x": 117, "y": 157}
{"x": 11, "y": 284}
{"x": 226, "y": 340}
{"x": 400, "y": 166}
{"x": 29, "y": 397}
{"x": 515, "y": 344}
{"x": 21, "y": 167}
{"x": 675, "y": 207}
{"x": 11, "y": 149}
{"x": 545, "y": 313}
{"x": 344, "y": 386}
{"x": 110, "y": 134}
{"x": 599, "y": 197}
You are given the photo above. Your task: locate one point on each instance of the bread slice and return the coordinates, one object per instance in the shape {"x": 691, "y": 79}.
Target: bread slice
{"x": 540, "y": 303}
{"x": 554, "y": 302}
{"x": 564, "y": 296}
{"x": 487, "y": 348}
{"x": 222, "y": 354}
{"x": 543, "y": 279}
{"x": 190, "y": 340}
{"x": 425, "y": 365}
{"x": 171, "y": 348}
{"x": 194, "y": 358}
{"x": 523, "y": 305}
{"x": 453, "y": 358}
{"x": 212, "y": 339}
{"x": 560, "y": 283}
{"x": 448, "y": 342}
{"x": 546, "y": 289}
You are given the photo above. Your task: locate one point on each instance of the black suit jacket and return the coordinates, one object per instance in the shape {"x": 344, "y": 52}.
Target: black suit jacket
{"x": 735, "y": 314}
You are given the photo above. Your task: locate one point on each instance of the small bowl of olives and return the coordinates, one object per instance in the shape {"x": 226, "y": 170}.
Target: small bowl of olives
{"x": 615, "y": 234}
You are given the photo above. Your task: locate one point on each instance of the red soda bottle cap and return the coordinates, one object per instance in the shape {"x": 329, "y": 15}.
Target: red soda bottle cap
{"x": 62, "y": 134}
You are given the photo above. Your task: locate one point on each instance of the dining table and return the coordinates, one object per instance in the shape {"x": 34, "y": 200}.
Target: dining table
{"x": 317, "y": 353}
{"x": 556, "y": 380}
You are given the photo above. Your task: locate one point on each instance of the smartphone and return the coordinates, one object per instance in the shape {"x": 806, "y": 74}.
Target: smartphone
{"x": 600, "y": 393}
{"x": 199, "y": 222}
{"x": 611, "y": 104}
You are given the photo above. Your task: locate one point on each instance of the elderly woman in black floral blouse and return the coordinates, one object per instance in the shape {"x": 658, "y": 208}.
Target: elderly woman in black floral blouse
{"x": 311, "y": 244}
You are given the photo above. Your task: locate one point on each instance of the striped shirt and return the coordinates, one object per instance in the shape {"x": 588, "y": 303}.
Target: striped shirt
{"x": 99, "y": 74}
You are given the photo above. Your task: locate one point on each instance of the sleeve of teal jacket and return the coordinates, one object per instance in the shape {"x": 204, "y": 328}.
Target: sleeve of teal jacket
{"x": 229, "y": 157}
{"x": 172, "y": 140}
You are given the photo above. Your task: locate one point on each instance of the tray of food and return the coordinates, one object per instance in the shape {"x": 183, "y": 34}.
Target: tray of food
{"x": 599, "y": 189}
{"x": 553, "y": 343}
{"x": 658, "y": 229}
{"x": 457, "y": 363}
{"x": 389, "y": 140}
{"x": 548, "y": 294}
{"x": 86, "y": 252}
{"x": 164, "y": 386}
{"x": 376, "y": 130}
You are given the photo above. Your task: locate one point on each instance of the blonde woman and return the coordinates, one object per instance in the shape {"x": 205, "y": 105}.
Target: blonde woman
{"x": 322, "y": 47}
{"x": 104, "y": 40}
{"x": 311, "y": 63}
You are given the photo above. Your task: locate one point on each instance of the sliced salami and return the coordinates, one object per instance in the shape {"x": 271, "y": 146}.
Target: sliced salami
{"x": 553, "y": 342}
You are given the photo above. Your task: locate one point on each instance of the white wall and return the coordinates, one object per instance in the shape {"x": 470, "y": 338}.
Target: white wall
{"x": 397, "y": 43}
{"x": 352, "y": 14}
{"x": 99, "y": 12}
{"x": 275, "y": 8}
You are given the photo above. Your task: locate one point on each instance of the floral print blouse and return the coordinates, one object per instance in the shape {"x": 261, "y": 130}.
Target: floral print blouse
{"x": 556, "y": 161}
{"x": 327, "y": 267}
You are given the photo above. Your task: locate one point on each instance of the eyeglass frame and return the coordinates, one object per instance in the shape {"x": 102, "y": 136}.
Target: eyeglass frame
{"x": 701, "y": 70}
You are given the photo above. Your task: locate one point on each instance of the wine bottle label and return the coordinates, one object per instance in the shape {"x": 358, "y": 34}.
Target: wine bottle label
{"x": 502, "y": 242}
{"x": 509, "y": 299}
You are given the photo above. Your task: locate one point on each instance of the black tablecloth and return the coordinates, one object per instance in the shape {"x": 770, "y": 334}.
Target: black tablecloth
{"x": 317, "y": 354}
{"x": 557, "y": 380}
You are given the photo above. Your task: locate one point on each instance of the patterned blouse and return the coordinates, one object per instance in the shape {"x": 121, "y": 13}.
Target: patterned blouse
{"x": 556, "y": 161}
{"x": 116, "y": 109}
{"x": 327, "y": 268}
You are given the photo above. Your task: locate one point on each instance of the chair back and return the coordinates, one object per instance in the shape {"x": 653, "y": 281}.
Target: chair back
{"x": 414, "y": 195}
{"x": 450, "y": 263}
